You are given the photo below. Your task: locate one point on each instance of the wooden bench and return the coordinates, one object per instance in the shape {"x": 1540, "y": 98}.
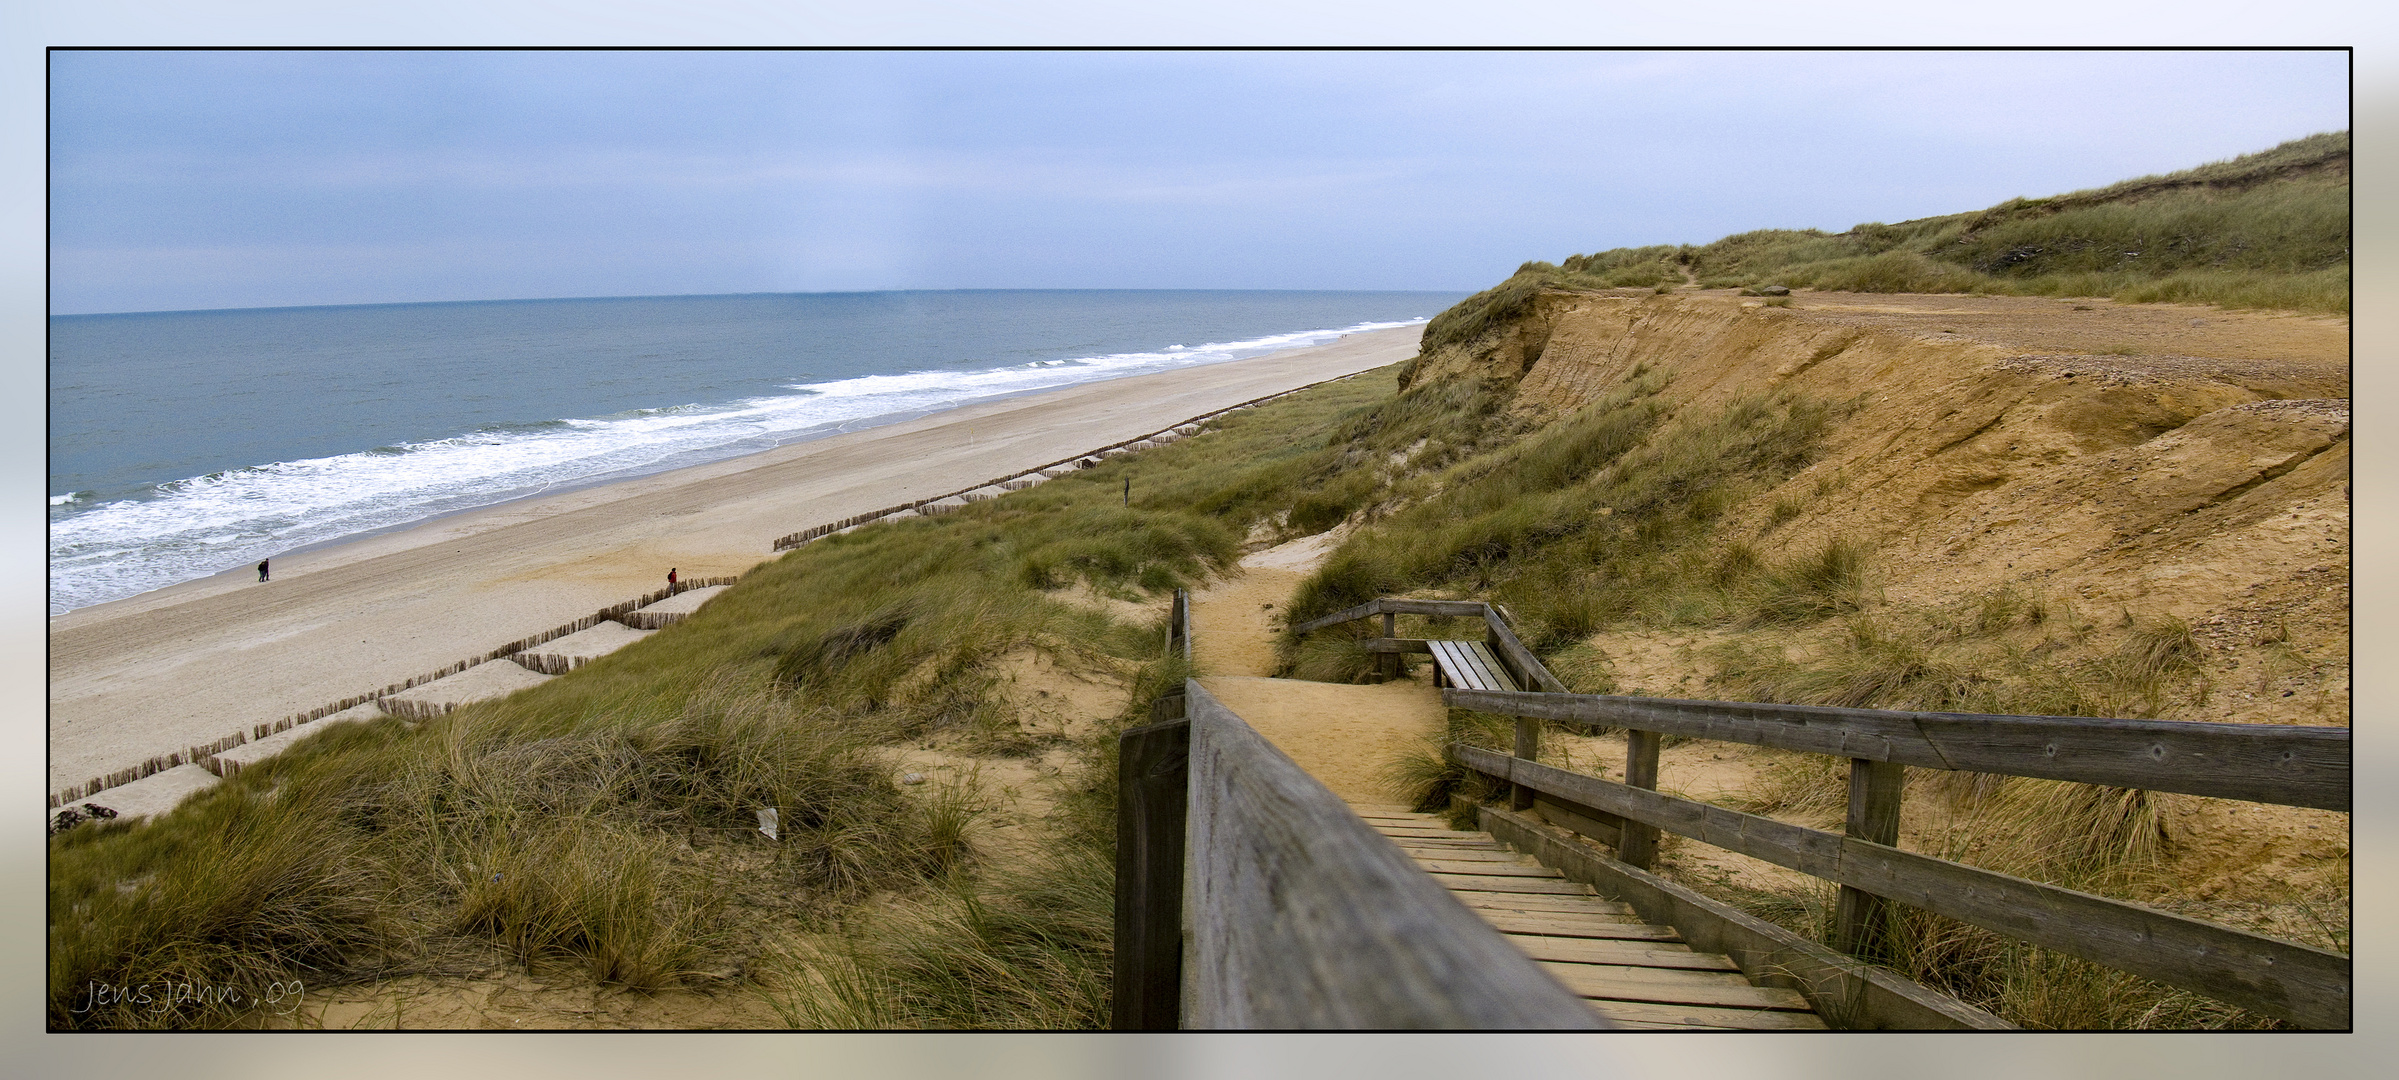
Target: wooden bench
{"x": 1469, "y": 665}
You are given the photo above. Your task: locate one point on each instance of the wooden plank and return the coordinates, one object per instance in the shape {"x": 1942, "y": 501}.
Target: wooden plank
{"x": 1369, "y": 608}
{"x": 1151, "y": 767}
{"x": 1528, "y": 747}
{"x": 1528, "y": 667}
{"x": 1875, "y": 788}
{"x": 1707, "y": 1016}
{"x": 2299, "y": 983}
{"x": 1533, "y": 902}
{"x": 1510, "y": 868}
{"x": 1464, "y": 855}
{"x": 1501, "y": 677}
{"x": 1455, "y": 665}
{"x": 1431, "y": 832}
{"x": 1603, "y": 827}
{"x": 1846, "y": 992}
{"x": 1394, "y": 645}
{"x": 1300, "y": 916}
{"x": 2289, "y": 765}
{"x": 1639, "y": 843}
{"x": 1630, "y": 954}
{"x": 1593, "y": 927}
{"x": 1442, "y": 663}
{"x": 1671, "y": 986}
{"x": 1495, "y": 883}
{"x": 1403, "y": 606}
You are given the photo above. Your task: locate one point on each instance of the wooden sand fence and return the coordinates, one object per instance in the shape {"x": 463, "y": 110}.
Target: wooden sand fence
{"x": 205, "y": 754}
{"x": 1016, "y": 481}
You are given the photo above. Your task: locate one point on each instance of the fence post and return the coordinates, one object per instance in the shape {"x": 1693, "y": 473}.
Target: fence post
{"x": 1528, "y": 747}
{"x": 1388, "y": 663}
{"x": 1152, "y": 786}
{"x": 1874, "y": 794}
{"x": 1640, "y": 845}
{"x": 1178, "y": 626}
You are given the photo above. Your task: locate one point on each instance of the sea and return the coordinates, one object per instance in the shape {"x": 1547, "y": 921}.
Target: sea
{"x": 187, "y": 443}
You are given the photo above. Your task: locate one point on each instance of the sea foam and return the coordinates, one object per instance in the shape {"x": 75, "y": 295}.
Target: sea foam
{"x": 196, "y": 526}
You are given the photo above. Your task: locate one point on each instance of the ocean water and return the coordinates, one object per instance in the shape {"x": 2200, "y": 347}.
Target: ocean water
{"x": 183, "y": 444}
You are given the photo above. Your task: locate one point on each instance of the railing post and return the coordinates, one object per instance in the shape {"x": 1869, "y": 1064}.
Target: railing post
{"x": 1388, "y": 663}
{"x": 1528, "y": 747}
{"x": 1178, "y": 625}
{"x": 1152, "y": 789}
{"x": 1874, "y": 794}
{"x": 1640, "y": 845}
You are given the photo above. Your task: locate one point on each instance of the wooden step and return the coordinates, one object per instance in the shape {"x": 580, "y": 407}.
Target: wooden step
{"x": 1637, "y": 974}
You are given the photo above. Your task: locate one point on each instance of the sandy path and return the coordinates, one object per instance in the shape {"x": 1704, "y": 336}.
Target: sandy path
{"x": 194, "y": 662}
{"x": 1346, "y": 736}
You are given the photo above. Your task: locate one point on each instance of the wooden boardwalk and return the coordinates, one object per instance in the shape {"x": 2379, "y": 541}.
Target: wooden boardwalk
{"x": 1637, "y": 974}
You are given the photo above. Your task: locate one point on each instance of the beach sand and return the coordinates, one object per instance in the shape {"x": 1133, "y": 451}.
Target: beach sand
{"x": 197, "y": 661}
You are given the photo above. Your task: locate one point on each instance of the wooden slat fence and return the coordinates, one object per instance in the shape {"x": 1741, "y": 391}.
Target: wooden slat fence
{"x": 2285, "y": 765}
{"x": 1294, "y": 913}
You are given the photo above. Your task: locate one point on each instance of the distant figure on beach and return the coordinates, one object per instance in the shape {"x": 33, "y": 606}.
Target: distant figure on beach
{"x": 670, "y": 575}
{"x": 262, "y": 569}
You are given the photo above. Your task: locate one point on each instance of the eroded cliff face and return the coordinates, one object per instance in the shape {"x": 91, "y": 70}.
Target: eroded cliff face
{"x": 2154, "y": 460}
{"x": 2133, "y": 462}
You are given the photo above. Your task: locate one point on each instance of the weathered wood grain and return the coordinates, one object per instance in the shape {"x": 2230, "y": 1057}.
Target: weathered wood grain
{"x": 1847, "y": 993}
{"x": 2299, "y": 983}
{"x": 1638, "y": 841}
{"x": 1875, "y": 788}
{"x": 1671, "y": 986}
{"x": 1703, "y": 1016}
{"x": 1301, "y": 917}
{"x": 2287, "y": 765}
{"x": 1528, "y": 668}
{"x": 1152, "y": 764}
{"x": 1628, "y": 953}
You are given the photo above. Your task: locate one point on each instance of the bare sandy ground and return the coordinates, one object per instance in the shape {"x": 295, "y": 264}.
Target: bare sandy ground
{"x": 1349, "y": 737}
{"x": 197, "y": 661}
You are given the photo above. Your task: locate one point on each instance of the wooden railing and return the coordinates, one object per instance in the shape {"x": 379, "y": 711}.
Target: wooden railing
{"x": 2285, "y": 765}
{"x": 1520, "y": 661}
{"x": 1250, "y": 896}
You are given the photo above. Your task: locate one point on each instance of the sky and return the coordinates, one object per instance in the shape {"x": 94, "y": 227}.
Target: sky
{"x": 218, "y": 179}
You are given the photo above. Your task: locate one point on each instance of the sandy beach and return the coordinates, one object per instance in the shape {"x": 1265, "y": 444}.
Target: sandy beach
{"x": 200, "y": 660}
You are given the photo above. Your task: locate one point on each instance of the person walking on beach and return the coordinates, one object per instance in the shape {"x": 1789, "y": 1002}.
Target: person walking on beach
{"x": 262, "y": 569}
{"x": 670, "y": 577}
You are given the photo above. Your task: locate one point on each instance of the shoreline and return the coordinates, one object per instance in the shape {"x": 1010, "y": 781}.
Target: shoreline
{"x": 191, "y": 662}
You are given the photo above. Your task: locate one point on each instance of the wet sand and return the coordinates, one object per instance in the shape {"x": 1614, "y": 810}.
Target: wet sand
{"x": 197, "y": 661}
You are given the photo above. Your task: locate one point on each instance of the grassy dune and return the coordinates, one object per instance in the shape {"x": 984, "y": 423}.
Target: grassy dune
{"x": 2265, "y": 230}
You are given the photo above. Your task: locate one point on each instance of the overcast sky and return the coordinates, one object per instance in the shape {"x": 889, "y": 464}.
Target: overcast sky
{"x": 244, "y": 179}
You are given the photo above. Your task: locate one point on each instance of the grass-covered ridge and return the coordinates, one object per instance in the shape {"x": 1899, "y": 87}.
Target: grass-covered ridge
{"x": 2264, "y": 230}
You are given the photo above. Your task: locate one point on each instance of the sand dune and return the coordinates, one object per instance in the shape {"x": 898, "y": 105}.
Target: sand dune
{"x": 197, "y": 661}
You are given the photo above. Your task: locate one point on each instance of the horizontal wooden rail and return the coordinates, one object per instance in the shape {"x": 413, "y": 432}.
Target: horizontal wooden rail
{"x": 1300, "y": 916}
{"x": 2305, "y": 985}
{"x": 1392, "y": 605}
{"x": 1847, "y": 992}
{"x": 1529, "y": 671}
{"x": 2286, "y": 765}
